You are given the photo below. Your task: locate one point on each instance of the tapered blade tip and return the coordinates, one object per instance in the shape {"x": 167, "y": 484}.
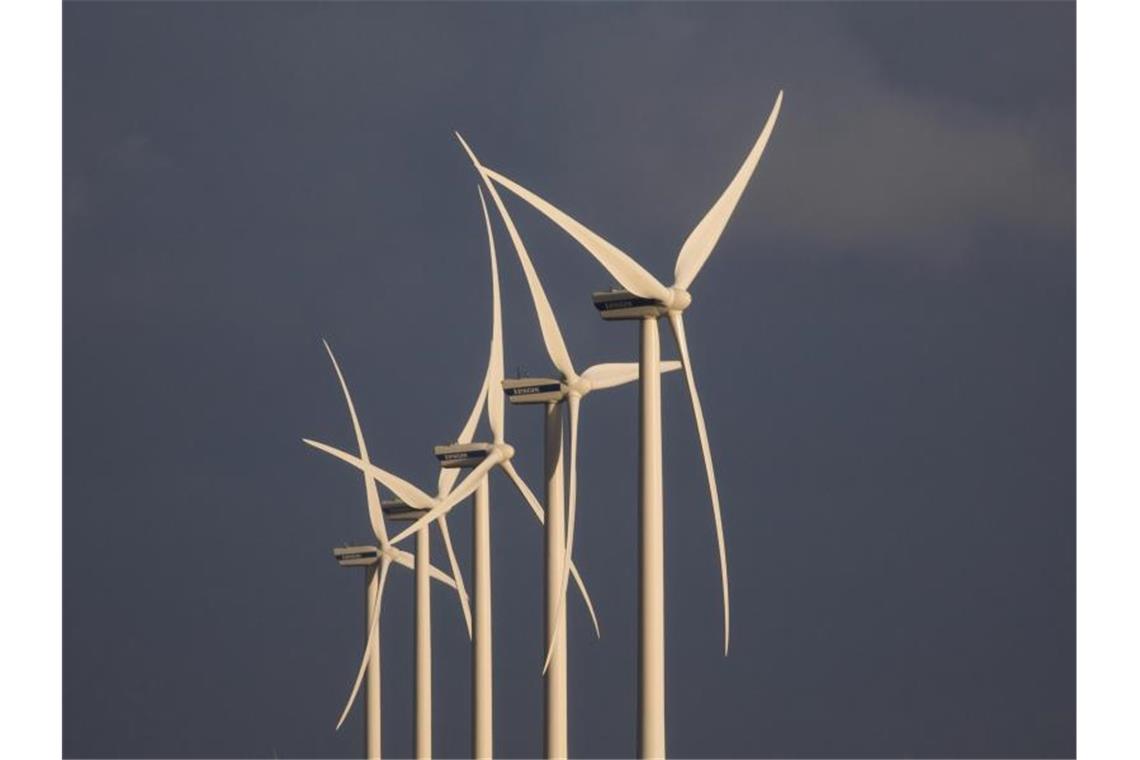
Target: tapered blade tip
{"x": 466, "y": 147}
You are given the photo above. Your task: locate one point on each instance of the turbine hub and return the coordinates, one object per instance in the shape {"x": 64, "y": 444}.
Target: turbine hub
{"x": 508, "y": 450}
{"x": 580, "y": 386}
{"x": 679, "y": 299}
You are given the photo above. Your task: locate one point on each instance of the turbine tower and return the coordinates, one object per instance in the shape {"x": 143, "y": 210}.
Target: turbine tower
{"x": 483, "y": 457}
{"x": 398, "y": 511}
{"x": 551, "y": 393}
{"x": 646, "y": 299}
{"x": 368, "y": 557}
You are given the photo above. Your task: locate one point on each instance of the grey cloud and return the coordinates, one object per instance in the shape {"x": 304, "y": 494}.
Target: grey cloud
{"x": 918, "y": 173}
{"x": 860, "y": 163}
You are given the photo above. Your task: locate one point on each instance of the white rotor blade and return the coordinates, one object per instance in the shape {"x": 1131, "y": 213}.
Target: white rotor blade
{"x": 448, "y": 475}
{"x": 632, "y": 276}
{"x": 371, "y": 642}
{"x": 551, "y": 334}
{"x": 613, "y": 374}
{"x": 408, "y": 560}
{"x": 411, "y": 495}
{"x": 535, "y": 507}
{"x": 679, "y": 332}
{"x": 701, "y": 241}
{"x": 466, "y": 487}
{"x": 372, "y": 493}
{"x": 495, "y": 365}
{"x": 574, "y": 402}
{"x": 455, "y": 572}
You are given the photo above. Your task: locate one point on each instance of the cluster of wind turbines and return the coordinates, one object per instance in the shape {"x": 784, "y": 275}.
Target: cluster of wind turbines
{"x": 642, "y": 298}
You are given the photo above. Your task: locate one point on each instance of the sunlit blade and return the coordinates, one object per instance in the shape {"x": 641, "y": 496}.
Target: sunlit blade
{"x": 610, "y": 375}
{"x": 495, "y": 365}
{"x": 375, "y": 515}
{"x": 402, "y": 488}
{"x": 448, "y": 475}
{"x": 574, "y": 402}
{"x": 400, "y": 557}
{"x": 624, "y": 269}
{"x": 373, "y": 640}
{"x": 408, "y": 560}
{"x": 679, "y": 332}
{"x": 455, "y": 571}
{"x": 466, "y": 487}
{"x": 535, "y": 507}
{"x": 551, "y": 334}
{"x": 701, "y": 241}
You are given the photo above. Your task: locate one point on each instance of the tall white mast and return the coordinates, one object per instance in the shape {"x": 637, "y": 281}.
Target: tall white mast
{"x": 555, "y": 712}
{"x": 423, "y": 646}
{"x": 372, "y": 682}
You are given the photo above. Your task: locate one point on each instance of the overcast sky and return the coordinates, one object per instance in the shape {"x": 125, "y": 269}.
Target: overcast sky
{"x": 884, "y": 341}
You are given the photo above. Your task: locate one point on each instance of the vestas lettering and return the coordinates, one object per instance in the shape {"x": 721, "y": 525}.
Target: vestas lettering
{"x": 624, "y": 303}
{"x": 617, "y": 305}
{"x": 464, "y": 455}
{"x": 527, "y": 390}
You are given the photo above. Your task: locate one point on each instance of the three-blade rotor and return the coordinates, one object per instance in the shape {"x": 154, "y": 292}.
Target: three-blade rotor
{"x": 675, "y": 299}
{"x": 389, "y": 553}
{"x": 599, "y": 376}
{"x": 450, "y": 494}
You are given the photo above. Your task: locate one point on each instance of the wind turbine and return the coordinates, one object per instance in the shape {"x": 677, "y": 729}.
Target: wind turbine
{"x": 571, "y": 388}
{"x": 368, "y": 557}
{"x": 646, "y": 299}
{"x": 483, "y": 457}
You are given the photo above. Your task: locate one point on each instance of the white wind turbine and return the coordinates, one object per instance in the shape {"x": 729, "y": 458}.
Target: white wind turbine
{"x": 386, "y": 554}
{"x": 647, "y": 299}
{"x": 463, "y": 454}
{"x": 571, "y": 388}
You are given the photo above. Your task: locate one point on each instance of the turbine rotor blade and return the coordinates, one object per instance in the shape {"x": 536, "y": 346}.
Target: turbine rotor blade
{"x": 574, "y": 402}
{"x": 455, "y": 571}
{"x": 411, "y": 495}
{"x": 610, "y": 375}
{"x": 551, "y": 334}
{"x": 678, "y": 325}
{"x": 632, "y": 276}
{"x": 495, "y": 364}
{"x": 372, "y": 493}
{"x": 373, "y": 640}
{"x": 448, "y": 475}
{"x": 701, "y": 241}
{"x": 532, "y": 502}
{"x": 408, "y": 560}
{"x": 466, "y": 487}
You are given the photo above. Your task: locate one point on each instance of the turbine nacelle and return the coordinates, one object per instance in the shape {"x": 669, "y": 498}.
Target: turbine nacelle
{"x": 464, "y": 455}
{"x": 534, "y": 390}
{"x": 399, "y": 510}
{"x": 618, "y": 303}
{"x": 356, "y": 556}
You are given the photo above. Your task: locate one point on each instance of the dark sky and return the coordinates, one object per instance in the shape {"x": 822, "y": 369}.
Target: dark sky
{"x": 884, "y": 340}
